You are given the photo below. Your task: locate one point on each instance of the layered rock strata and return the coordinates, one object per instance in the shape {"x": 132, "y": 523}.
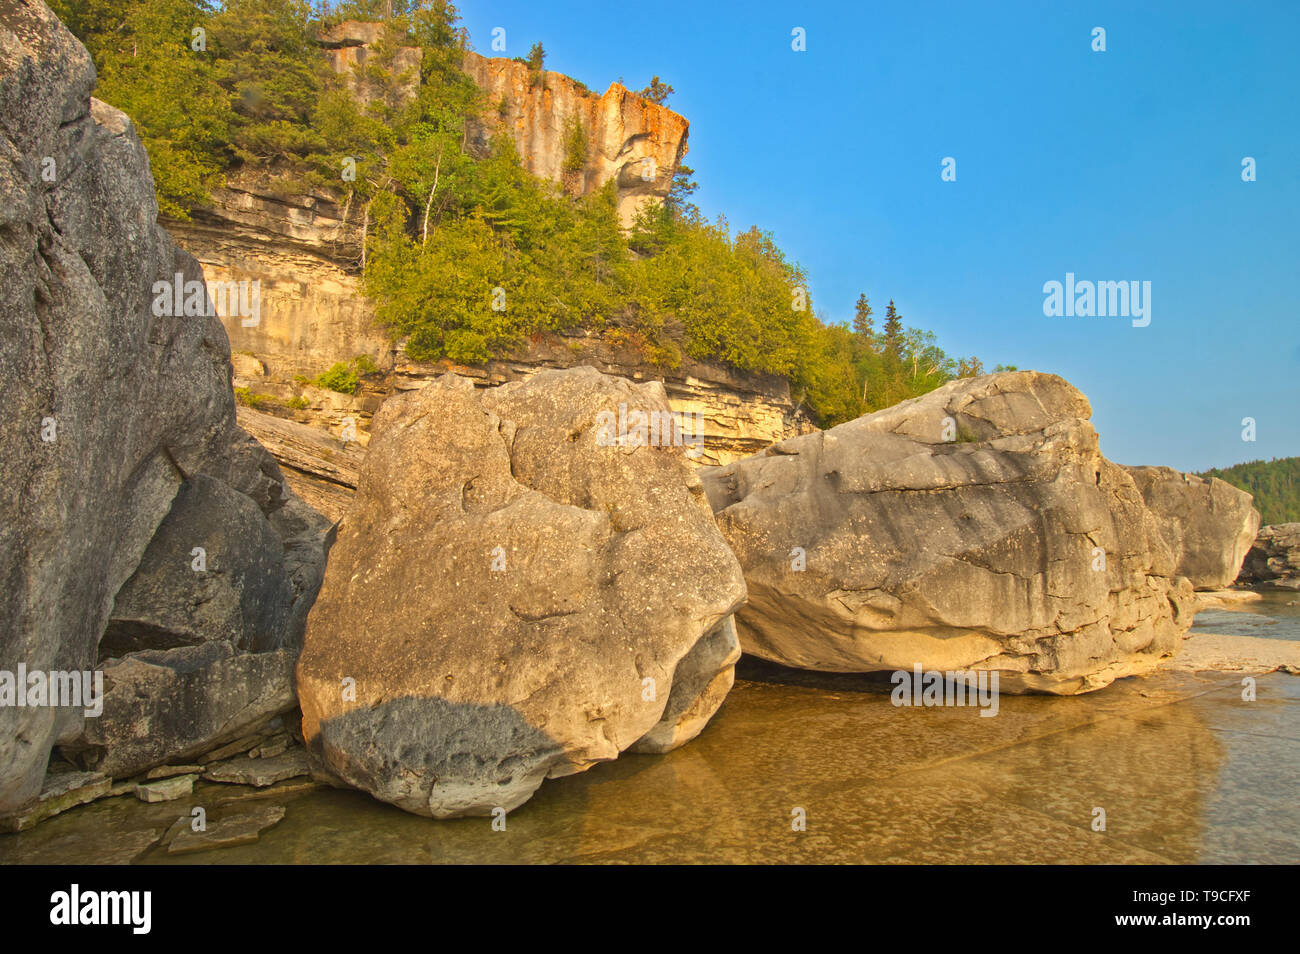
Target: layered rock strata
{"x": 975, "y": 528}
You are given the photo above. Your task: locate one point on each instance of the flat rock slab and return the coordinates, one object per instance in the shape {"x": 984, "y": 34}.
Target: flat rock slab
{"x": 1227, "y": 599}
{"x": 232, "y": 748}
{"x": 167, "y": 771}
{"x": 260, "y": 772}
{"x": 281, "y": 790}
{"x": 272, "y": 747}
{"x": 58, "y": 794}
{"x": 1212, "y": 652}
{"x": 167, "y": 789}
{"x": 241, "y": 829}
{"x": 81, "y": 843}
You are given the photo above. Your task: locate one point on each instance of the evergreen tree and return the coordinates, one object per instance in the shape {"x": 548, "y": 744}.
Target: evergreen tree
{"x": 443, "y": 225}
{"x": 656, "y": 92}
{"x": 862, "y": 324}
{"x": 537, "y": 63}
{"x": 893, "y": 332}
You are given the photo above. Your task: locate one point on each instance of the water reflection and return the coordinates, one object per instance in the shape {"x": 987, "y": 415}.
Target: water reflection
{"x": 1185, "y": 771}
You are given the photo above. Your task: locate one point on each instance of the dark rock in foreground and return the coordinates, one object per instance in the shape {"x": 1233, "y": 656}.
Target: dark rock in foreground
{"x": 121, "y": 451}
{"x": 1274, "y": 560}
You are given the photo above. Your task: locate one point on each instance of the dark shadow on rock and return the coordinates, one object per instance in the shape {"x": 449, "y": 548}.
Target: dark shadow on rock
{"x": 435, "y": 757}
{"x": 756, "y": 669}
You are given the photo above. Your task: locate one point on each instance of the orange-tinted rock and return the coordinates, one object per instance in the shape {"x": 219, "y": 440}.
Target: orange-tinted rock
{"x": 629, "y": 139}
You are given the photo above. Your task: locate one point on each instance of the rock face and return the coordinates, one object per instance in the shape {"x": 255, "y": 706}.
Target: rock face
{"x": 351, "y": 46}
{"x": 514, "y": 596}
{"x": 632, "y": 141}
{"x": 976, "y": 527}
{"x": 108, "y": 411}
{"x": 1274, "y": 559}
{"x": 321, "y": 469}
{"x": 1208, "y": 524}
{"x": 304, "y": 251}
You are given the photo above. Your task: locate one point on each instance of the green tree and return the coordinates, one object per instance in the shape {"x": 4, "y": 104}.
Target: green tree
{"x": 537, "y": 65}
{"x": 656, "y": 92}
{"x": 862, "y": 324}
{"x": 893, "y": 337}
{"x": 143, "y": 53}
{"x": 575, "y": 145}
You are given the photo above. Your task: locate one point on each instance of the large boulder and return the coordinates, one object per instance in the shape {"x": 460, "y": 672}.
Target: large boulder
{"x": 1208, "y": 524}
{"x": 106, "y": 411}
{"x": 516, "y": 594}
{"x": 1274, "y": 559}
{"x": 976, "y": 527}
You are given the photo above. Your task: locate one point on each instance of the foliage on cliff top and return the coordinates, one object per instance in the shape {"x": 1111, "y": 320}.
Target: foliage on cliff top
{"x": 466, "y": 255}
{"x": 1275, "y": 484}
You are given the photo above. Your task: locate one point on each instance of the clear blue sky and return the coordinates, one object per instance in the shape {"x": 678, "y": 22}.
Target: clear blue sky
{"x": 1117, "y": 166}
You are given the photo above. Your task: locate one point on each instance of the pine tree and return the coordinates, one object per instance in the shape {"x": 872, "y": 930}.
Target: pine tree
{"x": 893, "y": 331}
{"x": 536, "y": 57}
{"x": 862, "y": 324}
{"x": 657, "y": 91}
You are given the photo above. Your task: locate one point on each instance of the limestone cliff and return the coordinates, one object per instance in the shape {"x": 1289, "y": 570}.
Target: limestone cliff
{"x": 636, "y": 143}
{"x": 304, "y": 250}
{"x": 320, "y": 447}
{"x": 630, "y": 140}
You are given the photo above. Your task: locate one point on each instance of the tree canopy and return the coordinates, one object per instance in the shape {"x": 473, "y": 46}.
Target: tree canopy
{"x": 467, "y": 256}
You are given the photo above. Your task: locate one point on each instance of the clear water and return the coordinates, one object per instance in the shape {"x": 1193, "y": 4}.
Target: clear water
{"x": 1185, "y": 769}
{"x": 1276, "y": 616}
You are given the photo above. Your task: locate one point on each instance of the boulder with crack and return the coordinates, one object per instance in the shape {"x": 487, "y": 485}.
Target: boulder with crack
{"x": 975, "y": 527}
{"x": 1208, "y": 524}
{"x": 516, "y": 594}
{"x": 1274, "y": 558}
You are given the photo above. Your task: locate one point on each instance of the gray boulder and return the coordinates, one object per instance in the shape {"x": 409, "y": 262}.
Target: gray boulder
{"x": 1208, "y": 524}
{"x": 976, "y": 527}
{"x": 213, "y": 570}
{"x": 514, "y": 596}
{"x": 106, "y": 409}
{"x": 1274, "y": 559}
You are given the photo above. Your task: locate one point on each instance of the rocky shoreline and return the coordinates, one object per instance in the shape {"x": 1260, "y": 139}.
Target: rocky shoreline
{"x": 515, "y": 580}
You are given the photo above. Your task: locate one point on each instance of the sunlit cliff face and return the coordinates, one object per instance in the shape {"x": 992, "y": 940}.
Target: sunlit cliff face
{"x": 637, "y": 143}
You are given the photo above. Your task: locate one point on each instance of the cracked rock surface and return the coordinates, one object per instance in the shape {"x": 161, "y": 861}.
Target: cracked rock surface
{"x": 512, "y": 597}
{"x": 121, "y": 452}
{"x": 975, "y": 527}
{"x": 1208, "y": 524}
{"x": 1274, "y": 558}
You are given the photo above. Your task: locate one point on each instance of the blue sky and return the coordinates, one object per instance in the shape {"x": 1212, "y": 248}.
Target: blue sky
{"x": 1123, "y": 165}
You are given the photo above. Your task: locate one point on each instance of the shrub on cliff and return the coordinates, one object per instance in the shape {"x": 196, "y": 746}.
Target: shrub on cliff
{"x": 466, "y": 256}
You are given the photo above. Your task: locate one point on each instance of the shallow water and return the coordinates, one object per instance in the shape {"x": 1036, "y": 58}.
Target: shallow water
{"x": 1185, "y": 770}
{"x": 1276, "y": 616}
